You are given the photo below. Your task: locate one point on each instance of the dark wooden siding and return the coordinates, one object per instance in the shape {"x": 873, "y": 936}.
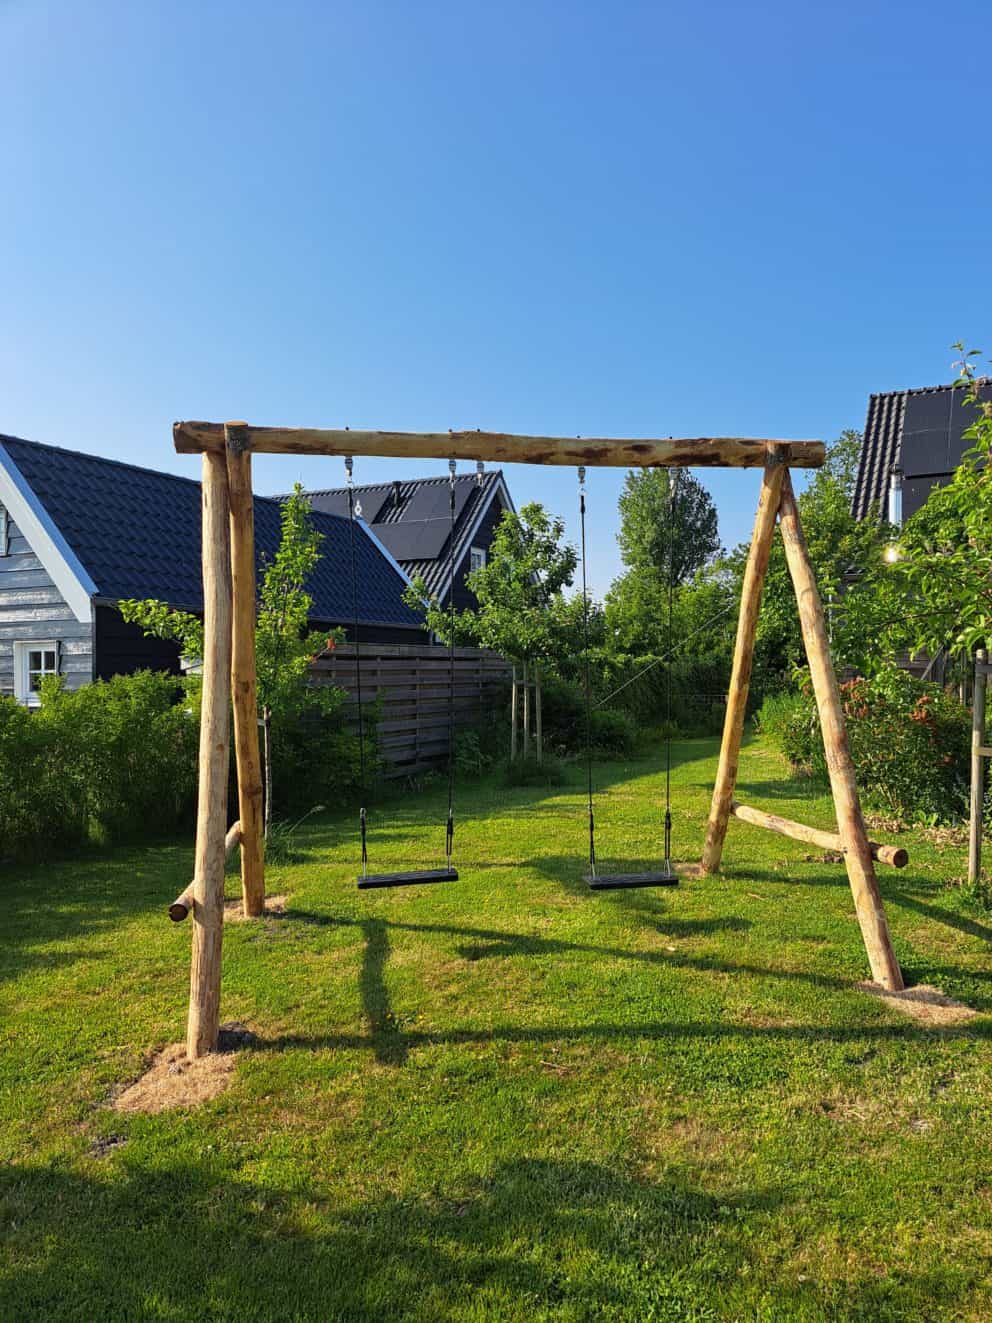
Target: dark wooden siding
{"x": 32, "y": 608}
{"x": 122, "y": 648}
{"x": 464, "y": 597}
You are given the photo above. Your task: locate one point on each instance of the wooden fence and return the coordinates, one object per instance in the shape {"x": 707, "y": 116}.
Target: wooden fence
{"x": 411, "y": 683}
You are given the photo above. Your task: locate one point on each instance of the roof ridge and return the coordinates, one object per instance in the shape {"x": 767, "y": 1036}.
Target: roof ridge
{"x": 99, "y": 459}
{"x": 914, "y": 390}
{"x": 375, "y": 486}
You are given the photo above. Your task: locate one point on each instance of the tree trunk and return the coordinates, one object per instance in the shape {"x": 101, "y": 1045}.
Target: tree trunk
{"x": 538, "y": 714}
{"x": 267, "y": 743}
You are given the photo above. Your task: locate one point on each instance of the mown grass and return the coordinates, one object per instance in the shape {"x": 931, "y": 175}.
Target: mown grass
{"x": 506, "y": 1098}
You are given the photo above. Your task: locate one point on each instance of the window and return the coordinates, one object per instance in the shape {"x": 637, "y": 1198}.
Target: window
{"x": 476, "y": 559}
{"x": 32, "y": 662}
{"x": 4, "y": 531}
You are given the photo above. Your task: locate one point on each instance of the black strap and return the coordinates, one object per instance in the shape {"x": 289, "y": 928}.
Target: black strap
{"x": 450, "y": 831}
{"x": 588, "y": 683}
{"x": 362, "y": 817}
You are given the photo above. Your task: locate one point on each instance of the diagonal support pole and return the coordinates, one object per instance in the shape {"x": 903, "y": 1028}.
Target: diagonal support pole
{"x": 850, "y": 820}
{"x": 740, "y": 677}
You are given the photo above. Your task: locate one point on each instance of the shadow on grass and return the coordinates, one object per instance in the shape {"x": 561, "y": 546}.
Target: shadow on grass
{"x": 530, "y": 1237}
{"x": 190, "y": 1242}
{"x": 489, "y": 944}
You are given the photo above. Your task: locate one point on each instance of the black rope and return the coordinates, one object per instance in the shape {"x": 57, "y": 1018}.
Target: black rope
{"x": 450, "y": 831}
{"x": 362, "y": 816}
{"x": 588, "y": 684}
{"x": 672, "y": 492}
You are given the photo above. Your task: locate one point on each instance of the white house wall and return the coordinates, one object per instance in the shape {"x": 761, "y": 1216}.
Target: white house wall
{"x": 33, "y": 608}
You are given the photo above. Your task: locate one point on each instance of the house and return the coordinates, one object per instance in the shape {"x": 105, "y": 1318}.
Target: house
{"x": 413, "y": 521}
{"x": 913, "y": 441}
{"x": 78, "y": 533}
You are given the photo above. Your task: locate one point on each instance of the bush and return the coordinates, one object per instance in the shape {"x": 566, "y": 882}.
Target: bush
{"x": 112, "y": 760}
{"x": 639, "y": 687}
{"x": 529, "y": 772}
{"x": 564, "y": 719}
{"x": 910, "y": 743}
{"x": 315, "y": 756}
{"x": 778, "y": 712}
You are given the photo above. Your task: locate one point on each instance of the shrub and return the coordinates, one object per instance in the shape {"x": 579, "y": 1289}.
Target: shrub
{"x": 910, "y": 743}
{"x": 778, "y": 712}
{"x": 112, "y": 760}
{"x": 316, "y": 756}
{"x": 564, "y": 719}
{"x": 529, "y": 772}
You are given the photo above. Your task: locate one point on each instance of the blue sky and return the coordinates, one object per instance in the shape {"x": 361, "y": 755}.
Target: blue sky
{"x": 621, "y": 219}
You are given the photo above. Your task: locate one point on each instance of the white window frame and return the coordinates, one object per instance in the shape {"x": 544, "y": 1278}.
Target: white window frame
{"x": 23, "y": 649}
{"x": 472, "y": 554}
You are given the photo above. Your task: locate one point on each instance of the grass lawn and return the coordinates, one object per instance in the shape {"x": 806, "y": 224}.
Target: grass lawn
{"x": 506, "y": 1098}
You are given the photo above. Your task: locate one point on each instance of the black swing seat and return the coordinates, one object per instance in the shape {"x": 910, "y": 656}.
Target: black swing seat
{"x": 662, "y": 877}
{"x": 407, "y": 879}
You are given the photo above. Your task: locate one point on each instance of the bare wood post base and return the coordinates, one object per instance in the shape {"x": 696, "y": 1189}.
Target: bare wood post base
{"x": 850, "y": 820}
{"x": 243, "y": 690}
{"x": 208, "y": 908}
{"x": 740, "y": 677}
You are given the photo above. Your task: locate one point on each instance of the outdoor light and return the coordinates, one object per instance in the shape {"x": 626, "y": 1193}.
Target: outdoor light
{"x": 892, "y": 553}
{"x": 895, "y": 496}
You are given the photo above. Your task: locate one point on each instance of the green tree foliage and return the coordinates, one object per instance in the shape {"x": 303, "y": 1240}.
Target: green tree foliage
{"x": 658, "y": 535}
{"x": 945, "y": 569}
{"x": 522, "y": 609}
{"x": 284, "y": 645}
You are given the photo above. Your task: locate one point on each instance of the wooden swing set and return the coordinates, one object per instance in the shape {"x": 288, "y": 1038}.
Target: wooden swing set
{"x": 229, "y": 594}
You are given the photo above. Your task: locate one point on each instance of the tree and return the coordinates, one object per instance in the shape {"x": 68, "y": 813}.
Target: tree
{"x": 848, "y": 558}
{"x": 522, "y": 611}
{"x": 660, "y": 535}
{"x": 945, "y": 565}
{"x": 284, "y": 646}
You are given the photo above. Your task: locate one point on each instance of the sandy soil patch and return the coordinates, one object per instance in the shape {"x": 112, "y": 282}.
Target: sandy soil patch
{"x": 275, "y": 908}
{"x": 172, "y": 1080}
{"x": 925, "y": 1004}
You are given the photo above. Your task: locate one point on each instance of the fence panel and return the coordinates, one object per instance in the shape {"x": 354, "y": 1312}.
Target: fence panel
{"x": 411, "y": 683}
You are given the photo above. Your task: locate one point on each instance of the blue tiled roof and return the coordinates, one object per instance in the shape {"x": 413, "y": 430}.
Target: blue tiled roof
{"x": 137, "y": 533}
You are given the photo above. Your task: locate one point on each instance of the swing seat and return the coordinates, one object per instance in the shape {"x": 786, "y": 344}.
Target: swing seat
{"x": 407, "y": 879}
{"x": 662, "y": 877}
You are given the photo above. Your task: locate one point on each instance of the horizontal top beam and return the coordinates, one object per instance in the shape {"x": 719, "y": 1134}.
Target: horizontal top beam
{"x": 735, "y": 452}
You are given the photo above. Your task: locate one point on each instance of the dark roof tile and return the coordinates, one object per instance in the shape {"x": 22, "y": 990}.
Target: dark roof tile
{"x": 137, "y": 533}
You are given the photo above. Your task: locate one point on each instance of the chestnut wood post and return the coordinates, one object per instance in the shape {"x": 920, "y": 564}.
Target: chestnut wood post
{"x": 850, "y": 820}
{"x": 243, "y": 691}
{"x": 513, "y": 717}
{"x": 211, "y": 815}
{"x": 977, "y": 766}
{"x": 740, "y": 676}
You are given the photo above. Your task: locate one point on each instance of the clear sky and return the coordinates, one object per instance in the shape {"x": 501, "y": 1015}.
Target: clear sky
{"x": 596, "y": 218}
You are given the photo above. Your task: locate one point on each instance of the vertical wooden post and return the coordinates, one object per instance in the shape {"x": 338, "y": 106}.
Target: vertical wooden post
{"x": 740, "y": 676}
{"x": 211, "y": 815}
{"x": 526, "y": 710}
{"x": 513, "y": 717}
{"x": 850, "y": 820}
{"x": 977, "y": 766}
{"x": 243, "y": 672}
{"x": 538, "y": 715}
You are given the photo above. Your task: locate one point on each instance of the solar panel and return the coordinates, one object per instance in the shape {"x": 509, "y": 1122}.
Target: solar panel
{"x": 423, "y": 540}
